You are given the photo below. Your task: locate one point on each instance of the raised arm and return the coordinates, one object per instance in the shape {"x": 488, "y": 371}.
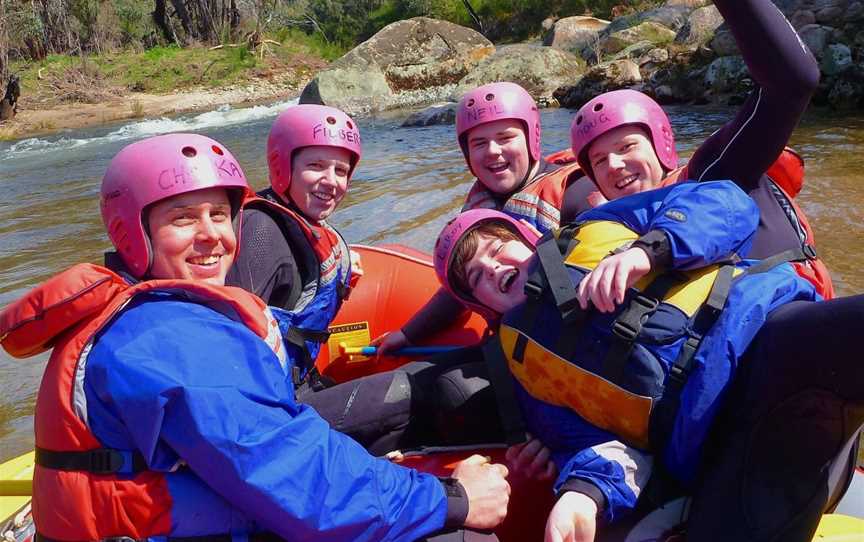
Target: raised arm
{"x": 785, "y": 74}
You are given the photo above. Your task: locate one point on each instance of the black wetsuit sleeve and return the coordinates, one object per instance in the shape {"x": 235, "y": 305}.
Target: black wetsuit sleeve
{"x": 436, "y": 315}
{"x": 785, "y": 74}
{"x": 265, "y": 264}
{"x": 576, "y": 198}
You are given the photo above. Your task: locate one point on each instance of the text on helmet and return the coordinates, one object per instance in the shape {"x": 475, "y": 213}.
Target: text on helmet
{"x": 320, "y": 130}
{"x": 480, "y": 113}
{"x": 171, "y": 177}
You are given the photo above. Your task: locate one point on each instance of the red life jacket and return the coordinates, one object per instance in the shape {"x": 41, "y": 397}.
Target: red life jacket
{"x": 539, "y": 202}
{"x": 65, "y": 313}
{"x": 787, "y": 174}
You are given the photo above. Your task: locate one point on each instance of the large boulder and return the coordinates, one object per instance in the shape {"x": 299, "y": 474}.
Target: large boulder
{"x": 573, "y": 34}
{"x": 700, "y": 26}
{"x": 601, "y": 78}
{"x": 816, "y": 38}
{"x": 727, "y": 74}
{"x": 433, "y": 115}
{"x": 671, "y": 15}
{"x": 723, "y": 42}
{"x": 647, "y": 31}
{"x": 411, "y": 61}
{"x": 540, "y": 70}
{"x": 836, "y": 59}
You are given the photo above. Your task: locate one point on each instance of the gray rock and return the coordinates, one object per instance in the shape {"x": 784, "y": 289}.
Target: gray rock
{"x": 815, "y": 37}
{"x": 637, "y": 50}
{"x": 802, "y": 18}
{"x": 647, "y": 31}
{"x": 845, "y": 95}
{"x": 692, "y": 4}
{"x": 599, "y": 79}
{"x": 723, "y": 42}
{"x": 436, "y": 114}
{"x": 408, "y": 61}
{"x": 700, "y": 26}
{"x": 573, "y": 34}
{"x": 830, "y": 16}
{"x": 654, "y": 56}
{"x": 854, "y": 12}
{"x": 352, "y": 90}
{"x": 825, "y": 4}
{"x": 672, "y": 16}
{"x": 540, "y": 70}
{"x": 837, "y": 58}
{"x": 725, "y": 74}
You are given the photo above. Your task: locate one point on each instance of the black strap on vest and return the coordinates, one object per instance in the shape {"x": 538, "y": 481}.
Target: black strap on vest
{"x": 628, "y": 325}
{"x": 666, "y": 411}
{"x": 551, "y": 274}
{"x": 98, "y": 461}
{"x": 297, "y": 337}
{"x": 505, "y": 394}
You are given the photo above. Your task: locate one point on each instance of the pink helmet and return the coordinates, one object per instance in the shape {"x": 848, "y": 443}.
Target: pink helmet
{"x": 306, "y": 125}
{"x": 155, "y": 169}
{"x": 454, "y": 232}
{"x": 498, "y": 101}
{"x": 617, "y": 108}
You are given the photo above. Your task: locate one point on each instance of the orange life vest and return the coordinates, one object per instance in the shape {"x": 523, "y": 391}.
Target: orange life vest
{"x": 787, "y": 174}
{"x": 65, "y": 313}
{"x": 539, "y": 202}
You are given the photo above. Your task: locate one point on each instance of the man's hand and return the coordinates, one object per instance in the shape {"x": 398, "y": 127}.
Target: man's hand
{"x": 531, "y": 460}
{"x": 607, "y": 284}
{"x": 390, "y": 341}
{"x": 487, "y": 489}
{"x": 573, "y": 519}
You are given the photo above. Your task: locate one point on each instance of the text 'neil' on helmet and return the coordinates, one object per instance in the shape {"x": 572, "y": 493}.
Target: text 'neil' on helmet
{"x": 618, "y": 108}
{"x": 307, "y": 125}
{"x": 498, "y": 101}
{"x": 155, "y": 169}
{"x": 456, "y": 230}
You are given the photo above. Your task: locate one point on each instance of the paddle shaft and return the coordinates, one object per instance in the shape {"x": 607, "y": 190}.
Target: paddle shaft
{"x": 406, "y": 351}
{"x": 16, "y": 488}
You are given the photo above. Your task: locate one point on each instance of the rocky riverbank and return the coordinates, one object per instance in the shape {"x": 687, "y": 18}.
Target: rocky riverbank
{"x": 40, "y": 118}
{"x": 680, "y": 52}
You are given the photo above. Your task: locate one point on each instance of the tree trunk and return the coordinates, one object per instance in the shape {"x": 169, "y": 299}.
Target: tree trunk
{"x": 185, "y": 20}
{"x": 160, "y": 19}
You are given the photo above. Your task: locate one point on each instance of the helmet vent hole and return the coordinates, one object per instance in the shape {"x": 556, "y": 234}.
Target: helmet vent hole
{"x": 579, "y": 120}
{"x": 189, "y": 152}
{"x": 598, "y": 107}
{"x": 331, "y": 120}
{"x": 351, "y": 126}
{"x": 217, "y": 150}
{"x": 471, "y": 102}
{"x": 490, "y": 97}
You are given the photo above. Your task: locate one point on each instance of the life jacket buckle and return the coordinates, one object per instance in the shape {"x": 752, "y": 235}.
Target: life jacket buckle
{"x": 624, "y": 331}
{"x": 106, "y": 461}
{"x": 533, "y": 290}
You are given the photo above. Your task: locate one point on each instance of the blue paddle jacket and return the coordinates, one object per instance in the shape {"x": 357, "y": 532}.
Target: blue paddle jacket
{"x": 704, "y": 223}
{"x": 209, "y": 404}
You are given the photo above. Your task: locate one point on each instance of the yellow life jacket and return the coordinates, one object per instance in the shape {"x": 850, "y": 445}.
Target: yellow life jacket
{"x": 616, "y": 370}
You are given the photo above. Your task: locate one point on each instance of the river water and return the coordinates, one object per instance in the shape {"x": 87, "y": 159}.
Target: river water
{"x": 409, "y": 182}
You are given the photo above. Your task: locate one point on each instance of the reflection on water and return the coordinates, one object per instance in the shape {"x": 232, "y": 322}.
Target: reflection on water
{"x": 409, "y": 182}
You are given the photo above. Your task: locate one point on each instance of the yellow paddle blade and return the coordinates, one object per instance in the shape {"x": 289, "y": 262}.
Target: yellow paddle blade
{"x": 16, "y": 484}
{"x": 839, "y": 528}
